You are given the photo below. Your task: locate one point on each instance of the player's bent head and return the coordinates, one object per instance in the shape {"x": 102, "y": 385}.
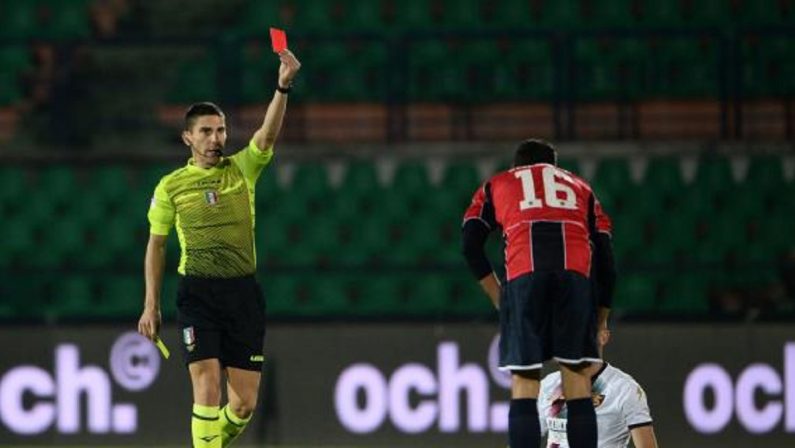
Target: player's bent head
{"x": 197, "y": 110}
{"x": 533, "y": 151}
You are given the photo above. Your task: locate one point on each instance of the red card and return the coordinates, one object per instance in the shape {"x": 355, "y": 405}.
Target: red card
{"x": 278, "y": 40}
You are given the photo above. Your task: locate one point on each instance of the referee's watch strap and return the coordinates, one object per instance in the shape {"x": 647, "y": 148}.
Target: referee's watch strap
{"x": 284, "y": 90}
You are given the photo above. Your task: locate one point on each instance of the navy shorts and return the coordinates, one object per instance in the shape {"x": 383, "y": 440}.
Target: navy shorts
{"x": 222, "y": 319}
{"x": 544, "y": 315}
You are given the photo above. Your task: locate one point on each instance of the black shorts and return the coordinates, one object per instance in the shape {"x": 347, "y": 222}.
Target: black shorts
{"x": 222, "y": 319}
{"x": 544, "y": 315}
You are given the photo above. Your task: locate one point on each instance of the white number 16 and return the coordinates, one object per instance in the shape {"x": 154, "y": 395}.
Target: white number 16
{"x": 552, "y": 187}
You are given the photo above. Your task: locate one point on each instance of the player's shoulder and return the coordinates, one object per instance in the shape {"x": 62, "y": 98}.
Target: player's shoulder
{"x": 174, "y": 178}
{"x": 576, "y": 177}
{"x": 619, "y": 377}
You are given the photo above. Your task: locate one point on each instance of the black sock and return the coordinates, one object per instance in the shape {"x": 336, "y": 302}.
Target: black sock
{"x": 524, "y": 430}
{"x": 581, "y": 423}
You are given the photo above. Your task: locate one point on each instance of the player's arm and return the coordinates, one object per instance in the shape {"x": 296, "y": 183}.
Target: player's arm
{"x": 604, "y": 261}
{"x": 643, "y": 437}
{"x": 154, "y": 266}
{"x": 266, "y": 135}
{"x": 162, "y": 215}
{"x": 479, "y": 221}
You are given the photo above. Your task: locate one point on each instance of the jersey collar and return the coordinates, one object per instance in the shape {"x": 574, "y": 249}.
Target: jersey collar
{"x": 191, "y": 165}
{"x": 599, "y": 372}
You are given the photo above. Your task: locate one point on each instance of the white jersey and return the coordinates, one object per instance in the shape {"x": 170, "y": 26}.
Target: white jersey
{"x": 620, "y": 405}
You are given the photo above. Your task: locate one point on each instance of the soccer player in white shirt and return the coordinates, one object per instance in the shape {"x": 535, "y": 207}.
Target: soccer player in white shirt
{"x": 619, "y": 401}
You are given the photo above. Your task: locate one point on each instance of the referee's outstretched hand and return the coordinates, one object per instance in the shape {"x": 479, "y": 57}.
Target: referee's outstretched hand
{"x": 149, "y": 323}
{"x": 288, "y": 68}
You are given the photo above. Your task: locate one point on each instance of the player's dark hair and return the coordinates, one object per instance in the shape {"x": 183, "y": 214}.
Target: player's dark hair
{"x": 197, "y": 110}
{"x": 533, "y": 151}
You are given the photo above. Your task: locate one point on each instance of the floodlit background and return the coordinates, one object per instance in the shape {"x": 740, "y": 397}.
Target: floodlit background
{"x": 680, "y": 113}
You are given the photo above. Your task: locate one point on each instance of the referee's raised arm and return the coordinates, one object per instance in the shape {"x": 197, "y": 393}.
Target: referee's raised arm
{"x": 267, "y": 134}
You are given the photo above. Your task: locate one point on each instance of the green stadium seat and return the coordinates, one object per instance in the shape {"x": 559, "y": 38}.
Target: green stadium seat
{"x": 612, "y": 176}
{"x": 467, "y": 299}
{"x": 636, "y": 293}
{"x": 328, "y": 296}
{"x": 426, "y": 295}
{"x": 15, "y": 58}
{"x": 684, "y": 293}
{"x": 428, "y": 81}
{"x": 678, "y": 234}
{"x": 613, "y": 14}
{"x": 10, "y": 89}
{"x": 562, "y": 14}
{"x": 664, "y": 174}
{"x": 416, "y": 15}
{"x": 661, "y": 13}
{"x": 18, "y": 241}
{"x": 13, "y": 184}
{"x": 69, "y": 19}
{"x": 317, "y": 15}
{"x": 147, "y": 177}
{"x": 380, "y": 296}
{"x": 306, "y": 295}
{"x": 461, "y": 177}
{"x": 365, "y": 16}
{"x": 310, "y": 178}
{"x": 764, "y": 14}
{"x": 63, "y": 242}
{"x": 332, "y": 77}
{"x": 714, "y": 175}
{"x": 526, "y": 71}
{"x": 765, "y": 172}
{"x": 516, "y": 14}
{"x": 112, "y": 183}
{"x": 18, "y": 19}
{"x": 570, "y": 164}
{"x": 411, "y": 176}
{"x": 610, "y": 68}
{"x": 706, "y": 13}
{"x": 466, "y": 15}
{"x": 280, "y": 292}
{"x": 258, "y": 73}
{"x": 480, "y": 60}
{"x": 196, "y": 81}
{"x": 628, "y": 236}
{"x": 768, "y": 66}
{"x": 367, "y": 66}
{"x": 722, "y": 236}
{"x": 28, "y": 295}
{"x": 265, "y": 11}
{"x": 74, "y": 297}
{"x": 120, "y": 296}
{"x": 684, "y": 68}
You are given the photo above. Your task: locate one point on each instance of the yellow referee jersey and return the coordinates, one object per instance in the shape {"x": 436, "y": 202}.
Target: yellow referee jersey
{"x": 213, "y": 210}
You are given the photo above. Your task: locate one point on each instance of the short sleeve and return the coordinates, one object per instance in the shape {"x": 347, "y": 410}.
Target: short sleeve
{"x": 603, "y": 222}
{"x": 481, "y": 208}
{"x": 636, "y": 408}
{"x": 161, "y": 212}
{"x": 251, "y": 160}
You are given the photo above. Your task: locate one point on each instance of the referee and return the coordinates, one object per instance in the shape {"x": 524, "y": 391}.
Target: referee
{"x": 221, "y": 310}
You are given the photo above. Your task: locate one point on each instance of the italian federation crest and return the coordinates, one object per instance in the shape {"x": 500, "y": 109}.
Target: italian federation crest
{"x": 211, "y": 196}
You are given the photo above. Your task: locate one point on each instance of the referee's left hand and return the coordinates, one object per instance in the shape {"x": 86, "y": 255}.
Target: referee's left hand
{"x": 149, "y": 323}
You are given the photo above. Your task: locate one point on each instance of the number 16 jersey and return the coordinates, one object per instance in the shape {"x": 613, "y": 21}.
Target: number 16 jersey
{"x": 547, "y": 216}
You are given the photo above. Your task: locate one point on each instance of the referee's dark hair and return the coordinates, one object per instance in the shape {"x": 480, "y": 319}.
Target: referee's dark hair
{"x": 197, "y": 110}
{"x": 533, "y": 151}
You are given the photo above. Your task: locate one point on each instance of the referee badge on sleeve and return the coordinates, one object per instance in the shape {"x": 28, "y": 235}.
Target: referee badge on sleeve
{"x": 211, "y": 196}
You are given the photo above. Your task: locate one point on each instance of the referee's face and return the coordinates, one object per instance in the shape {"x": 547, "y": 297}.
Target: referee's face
{"x": 206, "y": 139}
